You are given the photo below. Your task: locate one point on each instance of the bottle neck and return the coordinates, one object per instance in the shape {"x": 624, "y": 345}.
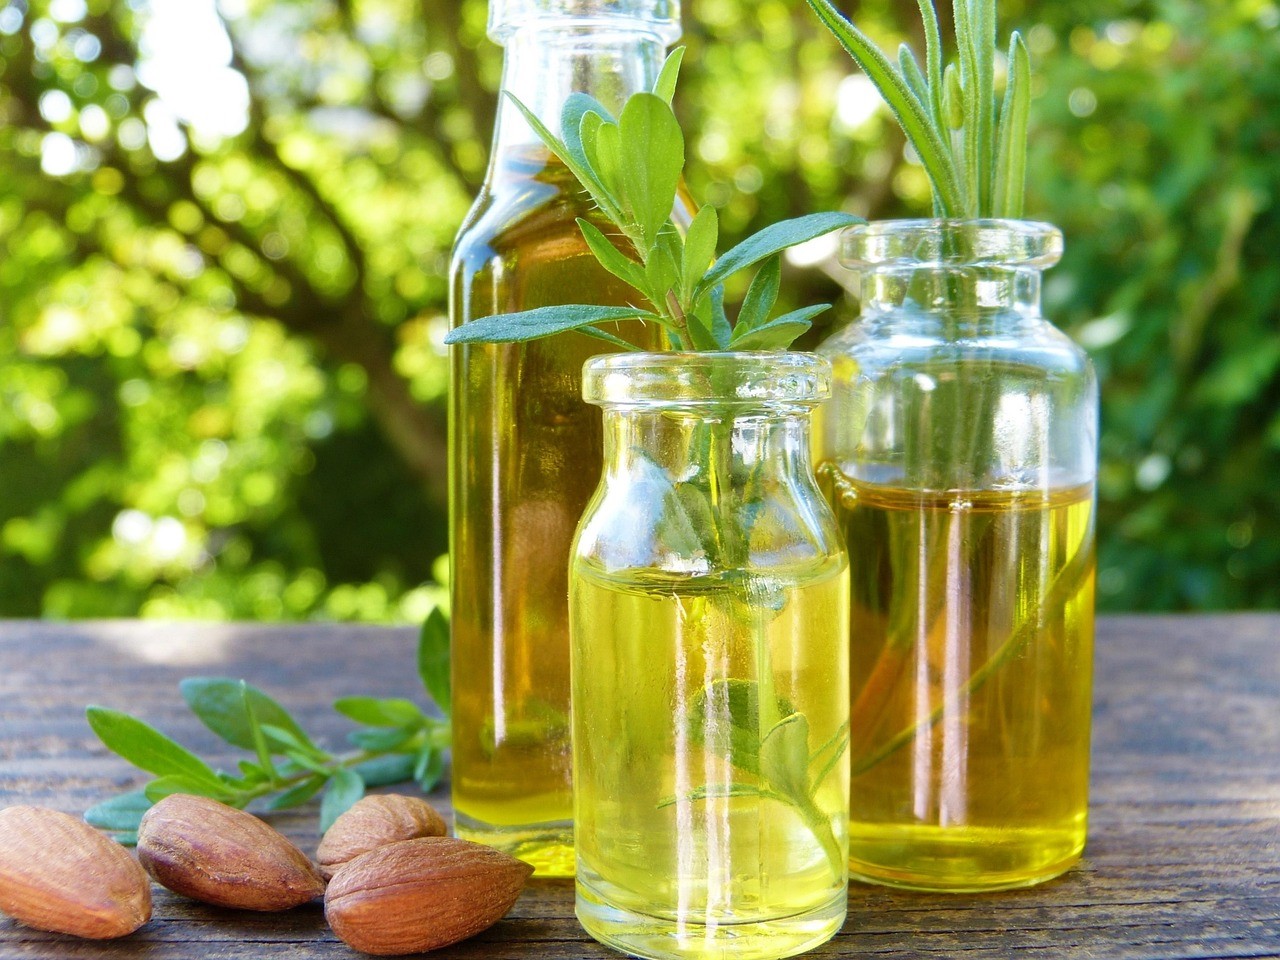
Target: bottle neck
{"x": 965, "y": 295}
{"x": 546, "y": 62}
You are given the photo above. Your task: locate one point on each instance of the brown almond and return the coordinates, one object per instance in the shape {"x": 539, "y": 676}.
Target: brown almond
{"x": 217, "y": 854}
{"x": 57, "y": 873}
{"x": 419, "y": 895}
{"x": 375, "y": 822}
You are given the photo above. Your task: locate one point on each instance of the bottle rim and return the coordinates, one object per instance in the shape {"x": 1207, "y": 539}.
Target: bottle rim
{"x": 686, "y": 379}
{"x": 659, "y": 17}
{"x": 951, "y": 244}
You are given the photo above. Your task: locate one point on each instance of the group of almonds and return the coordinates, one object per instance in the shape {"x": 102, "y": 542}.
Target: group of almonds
{"x": 392, "y": 882}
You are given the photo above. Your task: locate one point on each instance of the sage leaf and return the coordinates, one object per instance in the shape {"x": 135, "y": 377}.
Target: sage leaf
{"x": 298, "y": 795}
{"x": 541, "y": 322}
{"x": 652, "y": 155}
{"x": 611, "y": 258}
{"x": 429, "y": 768}
{"x": 162, "y": 787}
{"x": 344, "y": 791}
{"x": 220, "y": 703}
{"x": 781, "y": 331}
{"x": 713, "y": 791}
{"x": 380, "y": 739}
{"x": 123, "y": 812}
{"x": 699, "y": 250}
{"x": 384, "y": 712}
{"x": 607, "y": 337}
{"x": 665, "y": 86}
{"x": 761, "y": 296}
{"x": 784, "y": 756}
{"x": 147, "y": 748}
{"x": 382, "y": 771}
{"x": 772, "y": 240}
{"x": 433, "y": 659}
{"x": 577, "y": 106}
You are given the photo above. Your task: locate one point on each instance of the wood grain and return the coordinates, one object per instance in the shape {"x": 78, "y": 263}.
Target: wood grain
{"x": 1183, "y": 858}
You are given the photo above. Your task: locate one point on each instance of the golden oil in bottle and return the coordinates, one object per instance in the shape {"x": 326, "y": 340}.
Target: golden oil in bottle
{"x": 682, "y": 851}
{"x": 971, "y": 633}
{"x": 525, "y": 457}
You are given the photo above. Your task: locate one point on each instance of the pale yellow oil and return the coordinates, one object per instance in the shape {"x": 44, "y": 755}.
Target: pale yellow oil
{"x": 971, "y": 635}
{"x": 663, "y": 869}
{"x": 525, "y": 456}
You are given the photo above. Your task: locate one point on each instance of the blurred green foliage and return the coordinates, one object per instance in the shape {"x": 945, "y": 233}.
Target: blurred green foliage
{"x": 221, "y": 380}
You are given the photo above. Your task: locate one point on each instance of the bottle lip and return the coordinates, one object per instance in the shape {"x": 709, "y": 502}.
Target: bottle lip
{"x": 991, "y": 243}
{"x": 658, "y": 17}
{"x": 680, "y": 379}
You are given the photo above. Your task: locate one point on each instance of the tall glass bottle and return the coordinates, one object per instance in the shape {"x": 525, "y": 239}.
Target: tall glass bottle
{"x": 524, "y": 448}
{"x": 959, "y": 451}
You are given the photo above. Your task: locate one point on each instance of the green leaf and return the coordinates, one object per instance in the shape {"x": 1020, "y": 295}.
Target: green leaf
{"x": 734, "y": 704}
{"x": 162, "y": 787}
{"x": 611, "y": 258}
{"x": 575, "y": 110}
{"x": 784, "y": 756}
{"x": 915, "y": 121}
{"x": 607, "y": 161}
{"x": 119, "y": 813}
{"x": 1011, "y": 161}
{"x": 652, "y": 156}
{"x": 388, "y": 712}
{"x": 772, "y": 240}
{"x": 219, "y": 702}
{"x": 345, "y": 789}
{"x": 540, "y": 322}
{"x": 984, "y": 45}
{"x": 662, "y": 269}
{"x": 761, "y": 296}
{"x": 384, "y": 771}
{"x": 598, "y": 334}
{"x": 953, "y": 98}
{"x": 267, "y": 768}
{"x": 780, "y": 332}
{"x": 933, "y": 59}
{"x": 915, "y": 80}
{"x": 306, "y": 761}
{"x": 585, "y": 176}
{"x": 296, "y": 796}
{"x": 381, "y": 739}
{"x": 699, "y": 250}
{"x": 147, "y": 748}
{"x": 433, "y": 659}
{"x": 665, "y": 86}
{"x": 429, "y": 768}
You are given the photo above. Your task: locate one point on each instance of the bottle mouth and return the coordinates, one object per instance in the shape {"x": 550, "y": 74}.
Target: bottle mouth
{"x": 659, "y": 17}
{"x": 699, "y": 380}
{"x": 951, "y": 244}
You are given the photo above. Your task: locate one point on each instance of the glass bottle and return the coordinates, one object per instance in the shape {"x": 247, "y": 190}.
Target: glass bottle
{"x": 959, "y": 452}
{"x": 708, "y": 612}
{"x": 523, "y": 446}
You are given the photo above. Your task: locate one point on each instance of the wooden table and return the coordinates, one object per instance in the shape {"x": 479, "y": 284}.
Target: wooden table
{"x": 1183, "y": 858}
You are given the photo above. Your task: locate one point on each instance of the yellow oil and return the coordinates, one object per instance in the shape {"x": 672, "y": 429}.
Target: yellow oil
{"x": 971, "y": 626}
{"x": 524, "y": 459}
{"x": 662, "y": 870}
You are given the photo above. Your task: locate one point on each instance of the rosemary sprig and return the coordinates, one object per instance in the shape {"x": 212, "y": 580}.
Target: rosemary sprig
{"x": 631, "y": 168}
{"x": 396, "y": 742}
{"x": 973, "y": 150}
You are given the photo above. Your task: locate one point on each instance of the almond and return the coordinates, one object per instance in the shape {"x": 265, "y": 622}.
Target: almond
{"x": 210, "y": 852}
{"x": 58, "y": 873}
{"x": 423, "y": 894}
{"x": 375, "y": 822}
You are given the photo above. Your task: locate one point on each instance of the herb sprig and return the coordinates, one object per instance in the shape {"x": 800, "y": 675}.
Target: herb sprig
{"x": 397, "y": 741}
{"x": 976, "y": 157}
{"x": 631, "y": 167}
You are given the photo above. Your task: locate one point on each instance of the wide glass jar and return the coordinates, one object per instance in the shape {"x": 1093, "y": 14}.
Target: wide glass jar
{"x": 709, "y": 628}
{"x": 959, "y": 452}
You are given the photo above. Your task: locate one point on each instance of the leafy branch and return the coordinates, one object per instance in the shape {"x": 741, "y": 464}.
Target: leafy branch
{"x": 397, "y": 741}
{"x": 631, "y": 168}
{"x": 976, "y": 158}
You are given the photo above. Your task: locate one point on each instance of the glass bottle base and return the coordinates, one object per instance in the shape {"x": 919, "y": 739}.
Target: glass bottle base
{"x": 660, "y": 938}
{"x": 961, "y": 859}
{"x": 547, "y": 847}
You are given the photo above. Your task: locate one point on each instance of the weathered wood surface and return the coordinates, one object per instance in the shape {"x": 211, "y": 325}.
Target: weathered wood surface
{"x": 1183, "y": 858}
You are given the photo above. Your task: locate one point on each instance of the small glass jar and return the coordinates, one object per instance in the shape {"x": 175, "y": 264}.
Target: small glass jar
{"x": 709, "y": 656}
{"x": 959, "y": 452}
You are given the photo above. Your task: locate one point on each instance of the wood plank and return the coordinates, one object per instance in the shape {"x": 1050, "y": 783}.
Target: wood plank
{"x": 1183, "y": 859}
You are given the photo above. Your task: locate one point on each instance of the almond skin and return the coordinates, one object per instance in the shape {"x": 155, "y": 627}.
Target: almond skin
{"x": 375, "y": 822}
{"x": 419, "y": 895}
{"x": 57, "y": 873}
{"x": 210, "y": 852}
